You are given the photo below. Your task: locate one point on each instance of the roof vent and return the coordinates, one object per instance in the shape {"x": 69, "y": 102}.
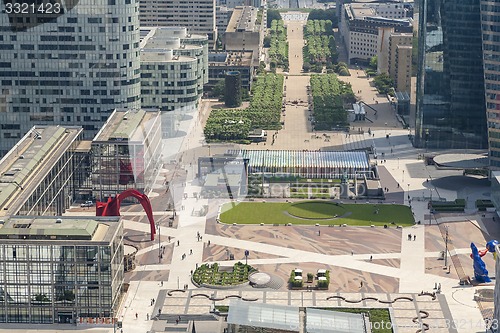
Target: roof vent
{"x": 59, "y": 221}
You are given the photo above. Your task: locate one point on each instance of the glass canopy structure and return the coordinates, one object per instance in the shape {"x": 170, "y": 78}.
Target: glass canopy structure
{"x": 252, "y": 317}
{"x": 307, "y": 164}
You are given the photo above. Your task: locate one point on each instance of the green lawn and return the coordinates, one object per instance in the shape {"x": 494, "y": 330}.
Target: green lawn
{"x": 315, "y": 212}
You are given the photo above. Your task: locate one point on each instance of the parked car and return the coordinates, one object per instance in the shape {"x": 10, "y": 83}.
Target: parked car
{"x": 87, "y": 204}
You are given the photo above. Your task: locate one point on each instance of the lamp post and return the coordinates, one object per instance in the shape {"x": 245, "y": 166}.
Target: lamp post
{"x": 159, "y": 242}
{"x": 446, "y": 247}
{"x": 430, "y": 208}
{"x": 408, "y": 192}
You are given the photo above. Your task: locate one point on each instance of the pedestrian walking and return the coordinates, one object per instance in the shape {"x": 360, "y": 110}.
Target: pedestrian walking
{"x": 178, "y": 243}
{"x": 209, "y": 242}
{"x": 190, "y": 251}
{"x": 371, "y": 258}
{"x": 136, "y": 315}
{"x": 361, "y": 284}
{"x": 352, "y": 252}
{"x": 169, "y": 237}
{"x": 409, "y": 236}
{"x": 147, "y": 316}
{"x": 161, "y": 283}
{"x": 414, "y": 237}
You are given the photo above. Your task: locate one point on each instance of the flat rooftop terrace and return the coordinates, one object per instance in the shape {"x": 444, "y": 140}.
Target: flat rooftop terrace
{"x": 66, "y": 228}
{"x": 29, "y": 161}
{"x": 125, "y": 125}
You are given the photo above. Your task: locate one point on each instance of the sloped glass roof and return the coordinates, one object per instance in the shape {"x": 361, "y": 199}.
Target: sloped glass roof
{"x": 263, "y": 315}
{"x": 325, "y": 321}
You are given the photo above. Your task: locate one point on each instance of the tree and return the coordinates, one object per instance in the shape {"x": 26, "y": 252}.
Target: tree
{"x": 320, "y": 14}
{"x": 373, "y": 63}
{"x": 306, "y": 67}
{"x": 267, "y": 41}
{"x": 272, "y": 14}
{"x": 219, "y": 89}
{"x": 383, "y": 83}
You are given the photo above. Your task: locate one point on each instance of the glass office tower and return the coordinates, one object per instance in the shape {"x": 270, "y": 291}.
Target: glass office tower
{"x": 450, "y": 83}
{"x": 71, "y": 65}
{"x": 490, "y": 19}
{"x": 60, "y": 269}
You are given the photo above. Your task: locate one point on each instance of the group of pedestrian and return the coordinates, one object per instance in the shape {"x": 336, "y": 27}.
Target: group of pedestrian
{"x": 386, "y": 189}
{"x": 410, "y": 237}
{"x": 152, "y": 301}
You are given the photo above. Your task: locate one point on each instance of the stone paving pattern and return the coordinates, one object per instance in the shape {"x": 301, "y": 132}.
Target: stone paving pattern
{"x": 399, "y": 267}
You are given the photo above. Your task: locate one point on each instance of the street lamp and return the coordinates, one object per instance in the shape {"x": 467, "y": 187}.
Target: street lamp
{"x": 430, "y": 208}
{"x": 159, "y": 242}
{"x": 408, "y": 191}
{"x": 446, "y": 247}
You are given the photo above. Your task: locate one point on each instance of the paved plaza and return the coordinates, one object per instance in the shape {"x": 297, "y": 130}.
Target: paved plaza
{"x": 370, "y": 267}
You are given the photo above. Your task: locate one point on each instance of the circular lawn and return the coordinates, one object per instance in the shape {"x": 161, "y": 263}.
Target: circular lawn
{"x": 316, "y": 210}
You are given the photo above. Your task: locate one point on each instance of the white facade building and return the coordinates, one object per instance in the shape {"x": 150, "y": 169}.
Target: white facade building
{"x": 75, "y": 69}
{"x": 174, "y": 69}
{"x": 197, "y": 15}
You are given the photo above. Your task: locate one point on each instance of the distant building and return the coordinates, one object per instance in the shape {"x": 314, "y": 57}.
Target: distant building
{"x": 198, "y": 16}
{"x": 223, "y": 14}
{"x": 222, "y": 62}
{"x": 236, "y": 3}
{"x": 60, "y": 269}
{"x": 360, "y": 22}
{"x": 40, "y": 174}
{"x": 244, "y": 32}
{"x": 126, "y": 153}
{"x": 394, "y": 57}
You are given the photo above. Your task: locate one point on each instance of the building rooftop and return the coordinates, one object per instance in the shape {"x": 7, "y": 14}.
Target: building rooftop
{"x": 147, "y": 33}
{"x": 65, "y": 228}
{"x": 29, "y": 161}
{"x": 126, "y": 125}
{"x": 242, "y": 19}
{"x": 231, "y": 58}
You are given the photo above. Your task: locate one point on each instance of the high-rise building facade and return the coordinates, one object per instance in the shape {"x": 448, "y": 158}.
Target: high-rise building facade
{"x": 60, "y": 269}
{"x": 197, "y": 15}
{"x": 490, "y": 19}
{"x": 394, "y": 57}
{"x": 76, "y": 67}
{"x": 450, "y": 84}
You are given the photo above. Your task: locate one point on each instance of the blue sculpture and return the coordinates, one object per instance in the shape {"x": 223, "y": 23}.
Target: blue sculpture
{"x": 480, "y": 271}
{"x": 490, "y": 246}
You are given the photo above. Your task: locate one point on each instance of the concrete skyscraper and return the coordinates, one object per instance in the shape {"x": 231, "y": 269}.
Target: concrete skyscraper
{"x": 490, "y": 19}
{"x": 451, "y": 110}
{"x": 74, "y": 65}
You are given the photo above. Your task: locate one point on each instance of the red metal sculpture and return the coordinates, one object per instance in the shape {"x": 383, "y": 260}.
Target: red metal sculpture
{"x": 112, "y": 207}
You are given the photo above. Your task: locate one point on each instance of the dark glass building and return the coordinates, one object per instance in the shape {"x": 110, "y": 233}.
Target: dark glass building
{"x": 451, "y": 110}
{"x": 490, "y": 19}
